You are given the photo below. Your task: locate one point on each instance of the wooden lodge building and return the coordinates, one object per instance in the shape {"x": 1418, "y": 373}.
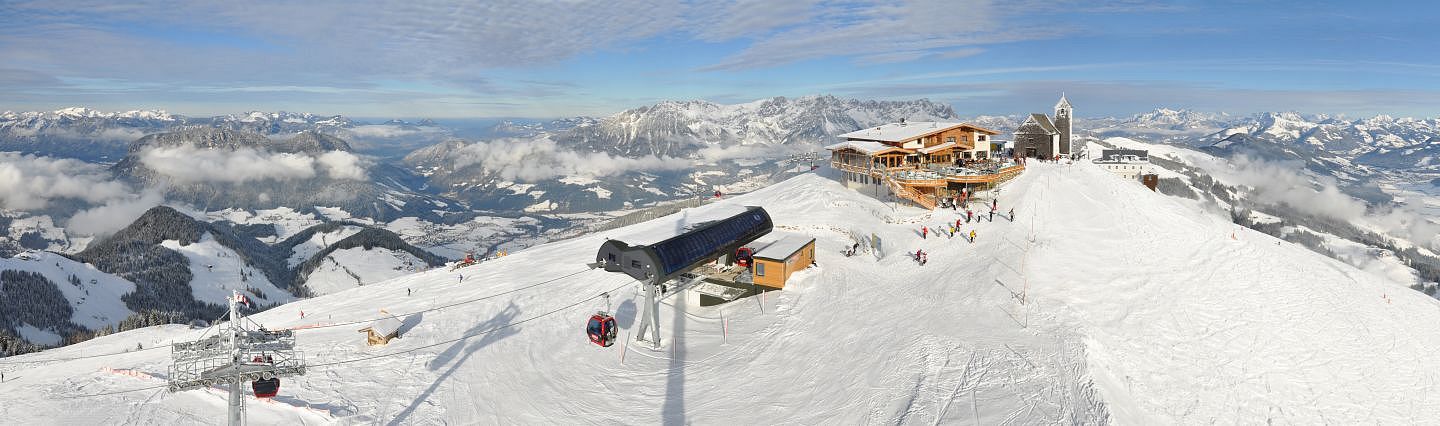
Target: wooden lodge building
{"x": 921, "y": 161}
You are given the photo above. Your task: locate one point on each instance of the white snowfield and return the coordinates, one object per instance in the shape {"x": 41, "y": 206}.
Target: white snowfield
{"x": 216, "y": 270}
{"x": 1139, "y": 309}
{"x": 95, "y": 302}
{"x": 353, "y": 267}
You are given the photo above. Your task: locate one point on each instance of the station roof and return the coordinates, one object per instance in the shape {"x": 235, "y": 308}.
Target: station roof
{"x": 779, "y": 245}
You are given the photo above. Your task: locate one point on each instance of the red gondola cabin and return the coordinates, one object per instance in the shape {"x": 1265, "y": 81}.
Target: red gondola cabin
{"x": 602, "y": 329}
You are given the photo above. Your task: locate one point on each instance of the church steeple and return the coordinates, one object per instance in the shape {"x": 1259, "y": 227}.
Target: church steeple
{"x": 1064, "y": 123}
{"x": 1063, "y": 104}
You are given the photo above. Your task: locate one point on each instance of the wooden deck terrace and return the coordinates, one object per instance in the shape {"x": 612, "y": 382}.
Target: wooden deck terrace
{"x": 919, "y": 176}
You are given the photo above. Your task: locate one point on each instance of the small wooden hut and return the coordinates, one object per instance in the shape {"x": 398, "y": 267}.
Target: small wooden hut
{"x": 382, "y": 330}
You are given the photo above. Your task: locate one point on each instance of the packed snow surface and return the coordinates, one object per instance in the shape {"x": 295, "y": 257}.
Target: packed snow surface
{"x": 319, "y": 241}
{"x": 353, "y": 267}
{"x": 95, "y": 302}
{"x": 1138, "y": 309}
{"x": 216, "y": 270}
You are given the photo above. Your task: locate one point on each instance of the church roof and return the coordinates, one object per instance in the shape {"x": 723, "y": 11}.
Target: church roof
{"x": 1064, "y": 103}
{"x": 1037, "y": 124}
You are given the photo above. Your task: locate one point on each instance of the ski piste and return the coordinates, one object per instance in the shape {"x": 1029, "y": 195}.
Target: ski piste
{"x": 1101, "y": 301}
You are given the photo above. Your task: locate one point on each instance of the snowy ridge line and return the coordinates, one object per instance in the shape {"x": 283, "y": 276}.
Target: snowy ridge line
{"x": 313, "y": 326}
{"x": 401, "y": 352}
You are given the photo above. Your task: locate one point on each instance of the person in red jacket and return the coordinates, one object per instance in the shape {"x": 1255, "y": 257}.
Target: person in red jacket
{"x": 924, "y": 232}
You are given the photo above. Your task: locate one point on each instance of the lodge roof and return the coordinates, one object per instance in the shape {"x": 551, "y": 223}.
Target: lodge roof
{"x": 867, "y": 147}
{"x": 908, "y": 131}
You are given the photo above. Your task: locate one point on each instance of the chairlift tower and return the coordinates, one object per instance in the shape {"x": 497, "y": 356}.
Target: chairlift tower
{"x": 238, "y": 355}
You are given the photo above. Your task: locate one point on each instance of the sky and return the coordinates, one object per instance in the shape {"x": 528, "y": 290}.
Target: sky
{"x": 546, "y": 59}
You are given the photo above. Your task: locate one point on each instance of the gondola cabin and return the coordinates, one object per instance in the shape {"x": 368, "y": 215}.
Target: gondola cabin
{"x": 744, "y": 257}
{"x": 265, "y": 388}
{"x": 779, "y": 255}
{"x": 601, "y": 329}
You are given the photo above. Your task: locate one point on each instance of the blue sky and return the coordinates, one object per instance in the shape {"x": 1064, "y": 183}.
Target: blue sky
{"x": 540, "y": 59}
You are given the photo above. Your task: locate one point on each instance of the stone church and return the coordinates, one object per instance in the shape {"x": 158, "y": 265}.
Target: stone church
{"x": 1041, "y": 137}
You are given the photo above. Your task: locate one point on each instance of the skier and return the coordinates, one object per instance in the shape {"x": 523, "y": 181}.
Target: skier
{"x": 407, "y": 292}
{"x": 302, "y": 314}
{"x": 1012, "y": 214}
{"x": 462, "y": 277}
{"x": 957, "y": 222}
{"x": 992, "y": 214}
{"x": 924, "y": 232}
{"x": 969, "y": 215}
{"x": 972, "y": 235}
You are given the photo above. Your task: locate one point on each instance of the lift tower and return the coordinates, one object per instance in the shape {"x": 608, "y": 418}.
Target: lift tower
{"x": 235, "y": 356}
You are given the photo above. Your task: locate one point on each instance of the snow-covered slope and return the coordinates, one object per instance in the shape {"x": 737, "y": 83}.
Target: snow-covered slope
{"x": 94, "y": 301}
{"x": 218, "y": 269}
{"x": 1142, "y": 310}
{"x": 345, "y": 269}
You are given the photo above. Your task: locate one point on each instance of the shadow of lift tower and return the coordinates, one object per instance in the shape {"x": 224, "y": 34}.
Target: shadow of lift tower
{"x": 673, "y": 259}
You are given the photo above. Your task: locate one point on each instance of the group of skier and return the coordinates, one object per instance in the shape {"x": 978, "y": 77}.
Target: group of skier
{"x": 950, "y": 230}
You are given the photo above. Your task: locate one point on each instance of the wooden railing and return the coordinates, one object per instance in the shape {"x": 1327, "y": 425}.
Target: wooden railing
{"x": 908, "y": 193}
{"x": 905, "y": 188}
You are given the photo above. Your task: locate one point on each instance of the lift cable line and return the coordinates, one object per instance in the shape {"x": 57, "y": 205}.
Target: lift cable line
{"x": 4, "y": 361}
{"x": 405, "y": 351}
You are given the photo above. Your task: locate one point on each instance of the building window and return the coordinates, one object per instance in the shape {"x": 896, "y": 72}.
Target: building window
{"x": 950, "y": 139}
{"x": 759, "y": 269}
{"x": 980, "y": 138}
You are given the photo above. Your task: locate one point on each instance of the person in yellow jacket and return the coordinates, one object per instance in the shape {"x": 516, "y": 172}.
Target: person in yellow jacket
{"x": 972, "y": 235}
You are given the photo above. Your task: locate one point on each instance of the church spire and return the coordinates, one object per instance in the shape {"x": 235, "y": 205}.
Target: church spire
{"x": 1063, "y": 104}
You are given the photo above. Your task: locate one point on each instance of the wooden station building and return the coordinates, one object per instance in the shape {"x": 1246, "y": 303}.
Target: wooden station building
{"x": 921, "y": 161}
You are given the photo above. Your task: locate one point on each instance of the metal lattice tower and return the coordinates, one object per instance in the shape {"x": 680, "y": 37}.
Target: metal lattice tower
{"x": 234, "y": 357}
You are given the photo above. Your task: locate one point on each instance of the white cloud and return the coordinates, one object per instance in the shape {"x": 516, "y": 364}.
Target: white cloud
{"x": 389, "y": 131}
{"x": 530, "y": 160}
{"x": 1282, "y": 182}
{"x": 188, "y": 164}
{"x": 30, "y": 182}
{"x": 342, "y": 165}
{"x": 717, "y": 153}
{"x": 114, "y": 214}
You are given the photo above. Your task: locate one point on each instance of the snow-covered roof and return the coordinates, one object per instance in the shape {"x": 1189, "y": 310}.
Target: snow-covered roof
{"x": 900, "y": 132}
{"x": 384, "y": 326}
{"x": 1037, "y": 123}
{"x": 779, "y": 245}
{"x": 908, "y": 131}
{"x": 943, "y": 146}
{"x": 868, "y": 147}
{"x": 1064, "y": 103}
